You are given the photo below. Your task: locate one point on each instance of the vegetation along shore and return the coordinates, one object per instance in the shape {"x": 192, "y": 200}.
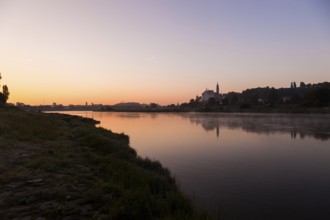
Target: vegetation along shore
{"x": 57, "y": 166}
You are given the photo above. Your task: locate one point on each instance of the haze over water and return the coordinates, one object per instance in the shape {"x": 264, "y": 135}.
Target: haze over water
{"x": 253, "y": 166}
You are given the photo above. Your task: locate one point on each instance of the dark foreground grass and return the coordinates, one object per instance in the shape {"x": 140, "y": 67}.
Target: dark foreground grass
{"x": 62, "y": 167}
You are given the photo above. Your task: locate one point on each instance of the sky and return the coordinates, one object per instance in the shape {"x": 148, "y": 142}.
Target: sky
{"x": 163, "y": 51}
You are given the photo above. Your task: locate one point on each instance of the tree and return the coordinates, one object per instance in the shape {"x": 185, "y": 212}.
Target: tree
{"x": 4, "y": 95}
{"x": 234, "y": 99}
{"x": 211, "y": 102}
{"x": 293, "y": 85}
{"x": 225, "y": 101}
{"x": 2, "y": 99}
{"x": 319, "y": 97}
{"x": 5, "y": 92}
{"x": 273, "y": 97}
{"x": 153, "y": 105}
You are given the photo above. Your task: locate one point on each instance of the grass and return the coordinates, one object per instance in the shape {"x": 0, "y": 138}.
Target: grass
{"x": 62, "y": 167}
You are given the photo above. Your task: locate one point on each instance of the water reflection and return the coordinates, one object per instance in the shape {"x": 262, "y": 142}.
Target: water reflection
{"x": 297, "y": 126}
{"x": 261, "y": 166}
{"x": 209, "y": 124}
{"x": 316, "y": 126}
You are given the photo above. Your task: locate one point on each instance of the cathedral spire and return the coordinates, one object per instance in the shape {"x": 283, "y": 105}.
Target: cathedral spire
{"x": 217, "y": 88}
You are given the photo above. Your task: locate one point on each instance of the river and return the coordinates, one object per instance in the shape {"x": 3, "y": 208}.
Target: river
{"x": 245, "y": 166}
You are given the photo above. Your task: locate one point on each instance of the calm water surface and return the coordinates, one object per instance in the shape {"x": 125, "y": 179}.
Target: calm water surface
{"x": 254, "y": 166}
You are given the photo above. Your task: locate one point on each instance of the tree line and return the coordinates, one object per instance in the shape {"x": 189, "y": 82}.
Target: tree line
{"x": 304, "y": 95}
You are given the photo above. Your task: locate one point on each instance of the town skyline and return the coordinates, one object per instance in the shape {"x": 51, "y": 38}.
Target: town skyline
{"x": 165, "y": 52}
{"x": 301, "y": 94}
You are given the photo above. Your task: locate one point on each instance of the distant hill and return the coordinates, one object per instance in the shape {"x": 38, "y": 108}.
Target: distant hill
{"x": 128, "y": 105}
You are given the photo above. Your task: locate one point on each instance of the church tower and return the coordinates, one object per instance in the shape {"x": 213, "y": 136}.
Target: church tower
{"x": 217, "y": 88}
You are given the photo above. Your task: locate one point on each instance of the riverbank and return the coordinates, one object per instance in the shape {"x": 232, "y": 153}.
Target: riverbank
{"x": 63, "y": 167}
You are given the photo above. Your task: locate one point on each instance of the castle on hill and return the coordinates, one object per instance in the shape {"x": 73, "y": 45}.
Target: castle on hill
{"x": 208, "y": 94}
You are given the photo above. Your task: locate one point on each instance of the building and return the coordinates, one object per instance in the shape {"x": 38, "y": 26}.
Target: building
{"x": 208, "y": 94}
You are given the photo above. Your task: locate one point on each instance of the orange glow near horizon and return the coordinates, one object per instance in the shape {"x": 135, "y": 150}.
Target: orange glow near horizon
{"x": 106, "y": 97}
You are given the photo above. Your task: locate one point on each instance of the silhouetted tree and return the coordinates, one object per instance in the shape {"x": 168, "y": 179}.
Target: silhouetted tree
{"x": 192, "y": 103}
{"x": 2, "y": 99}
{"x": 302, "y": 85}
{"x": 273, "y": 97}
{"x": 5, "y": 92}
{"x": 225, "y": 101}
{"x": 318, "y": 97}
{"x": 4, "y": 95}
{"x": 293, "y": 85}
{"x": 211, "y": 102}
{"x": 153, "y": 105}
{"x": 234, "y": 99}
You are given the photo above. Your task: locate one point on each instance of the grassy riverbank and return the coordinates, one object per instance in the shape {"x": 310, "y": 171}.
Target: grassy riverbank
{"x": 62, "y": 167}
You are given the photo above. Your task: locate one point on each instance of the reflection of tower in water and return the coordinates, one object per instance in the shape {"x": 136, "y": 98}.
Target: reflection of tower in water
{"x": 210, "y": 125}
{"x": 293, "y": 134}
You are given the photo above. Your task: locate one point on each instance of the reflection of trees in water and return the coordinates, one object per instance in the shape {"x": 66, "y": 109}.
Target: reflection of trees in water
{"x": 128, "y": 115}
{"x": 316, "y": 126}
{"x": 136, "y": 115}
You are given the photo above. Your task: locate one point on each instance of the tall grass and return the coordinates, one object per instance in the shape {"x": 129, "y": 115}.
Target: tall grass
{"x": 82, "y": 172}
